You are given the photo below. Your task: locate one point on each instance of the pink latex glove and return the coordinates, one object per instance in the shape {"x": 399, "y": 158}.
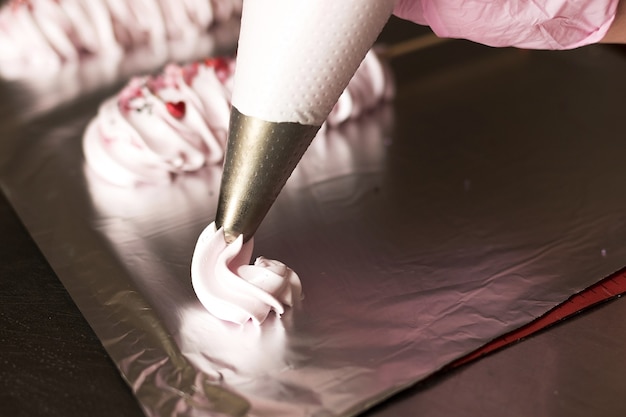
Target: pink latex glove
{"x": 531, "y": 24}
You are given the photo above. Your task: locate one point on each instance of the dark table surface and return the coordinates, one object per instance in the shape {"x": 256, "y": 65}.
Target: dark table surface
{"x": 52, "y": 364}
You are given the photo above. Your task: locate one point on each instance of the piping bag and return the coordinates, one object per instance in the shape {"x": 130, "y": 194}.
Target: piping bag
{"x": 294, "y": 59}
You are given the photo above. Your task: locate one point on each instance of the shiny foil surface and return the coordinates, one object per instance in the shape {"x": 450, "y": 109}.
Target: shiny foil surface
{"x": 488, "y": 192}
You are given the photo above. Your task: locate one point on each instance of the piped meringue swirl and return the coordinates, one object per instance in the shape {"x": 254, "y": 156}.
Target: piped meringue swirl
{"x": 232, "y": 289}
{"x": 159, "y": 126}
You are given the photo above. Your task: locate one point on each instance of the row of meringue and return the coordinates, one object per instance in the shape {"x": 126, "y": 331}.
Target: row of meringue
{"x": 45, "y": 34}
{"x": 176, "y": 122}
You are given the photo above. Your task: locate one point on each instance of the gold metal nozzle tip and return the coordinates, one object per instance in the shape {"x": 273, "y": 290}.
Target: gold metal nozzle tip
{"x": 260, "y": 157}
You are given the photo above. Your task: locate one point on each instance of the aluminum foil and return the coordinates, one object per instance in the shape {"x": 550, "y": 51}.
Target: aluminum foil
{"x": 489, "y": 192}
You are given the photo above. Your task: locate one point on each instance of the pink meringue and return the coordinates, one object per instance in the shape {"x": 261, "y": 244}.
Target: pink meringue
{"x": 232, "y": 289}
{"x": 163, "y": 125}
{"x": 46, "y": 34}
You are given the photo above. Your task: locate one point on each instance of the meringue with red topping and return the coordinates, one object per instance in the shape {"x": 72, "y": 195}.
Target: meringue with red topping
{"x": 164, "y": 125}
{"x": 233, "y": 290}
{"x": 45, "y": 34}
{"x": 161, "y": 126}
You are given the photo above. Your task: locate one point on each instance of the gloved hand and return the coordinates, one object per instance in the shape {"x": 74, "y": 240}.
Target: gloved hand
{"x": 532, "y": 24}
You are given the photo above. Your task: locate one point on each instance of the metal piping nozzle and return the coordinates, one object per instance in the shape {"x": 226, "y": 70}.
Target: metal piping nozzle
{"x": 260, "y": 157}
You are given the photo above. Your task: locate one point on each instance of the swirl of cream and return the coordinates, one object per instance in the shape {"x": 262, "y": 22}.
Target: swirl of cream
{"x": 232, "y": 289}
{"x": 164, "y": 125}
{"x": 45, "y": 34}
